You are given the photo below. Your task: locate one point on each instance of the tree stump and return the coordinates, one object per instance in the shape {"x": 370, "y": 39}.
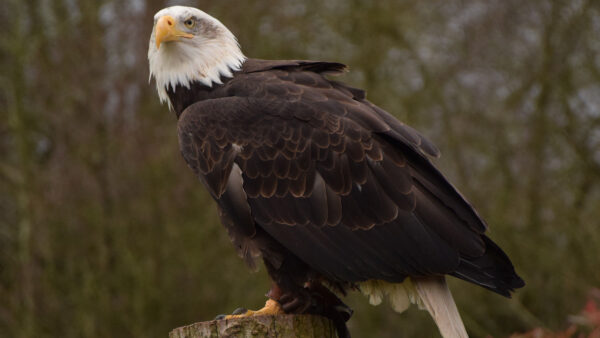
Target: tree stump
{"x": 300, "y": 326}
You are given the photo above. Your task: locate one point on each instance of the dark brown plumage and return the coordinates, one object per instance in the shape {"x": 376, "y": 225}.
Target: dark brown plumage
{"x": 334, "y": 188}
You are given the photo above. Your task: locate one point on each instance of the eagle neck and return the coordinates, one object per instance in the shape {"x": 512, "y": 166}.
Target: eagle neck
{"x": 182, "y": 97}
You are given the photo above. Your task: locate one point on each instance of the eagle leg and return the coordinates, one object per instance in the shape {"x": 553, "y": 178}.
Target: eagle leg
{"x": 316, "y": 299}
{"x": 298, "y": 302}
{"x": 298, "y": 290}
{"x": 332, "y": 305}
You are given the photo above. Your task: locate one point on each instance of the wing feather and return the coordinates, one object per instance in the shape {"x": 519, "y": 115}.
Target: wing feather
{"x": 335, "y": 179}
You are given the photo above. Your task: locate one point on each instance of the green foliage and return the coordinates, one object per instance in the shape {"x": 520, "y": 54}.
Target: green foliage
{"x": 104, "y": 232}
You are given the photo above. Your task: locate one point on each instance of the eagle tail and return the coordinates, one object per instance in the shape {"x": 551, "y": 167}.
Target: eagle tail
{"x": 437, "y": 300}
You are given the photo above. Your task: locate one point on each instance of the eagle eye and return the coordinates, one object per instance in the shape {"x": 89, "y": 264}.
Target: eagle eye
{"x": 189, "y": 23}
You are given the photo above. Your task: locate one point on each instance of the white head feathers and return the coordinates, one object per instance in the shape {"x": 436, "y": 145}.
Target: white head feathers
{"x": 210, "y": 54}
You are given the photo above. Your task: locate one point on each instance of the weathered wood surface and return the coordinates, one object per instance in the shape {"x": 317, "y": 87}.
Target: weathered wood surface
{"x": 300, "y": 326}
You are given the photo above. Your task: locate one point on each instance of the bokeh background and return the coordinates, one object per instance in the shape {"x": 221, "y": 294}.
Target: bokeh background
{"x": 104, "y": 231}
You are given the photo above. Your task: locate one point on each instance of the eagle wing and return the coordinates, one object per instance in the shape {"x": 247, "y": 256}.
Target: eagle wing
{"x": 335, "y": 179}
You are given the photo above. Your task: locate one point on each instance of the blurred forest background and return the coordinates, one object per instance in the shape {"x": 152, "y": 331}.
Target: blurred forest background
{"x": 104, "y": 231}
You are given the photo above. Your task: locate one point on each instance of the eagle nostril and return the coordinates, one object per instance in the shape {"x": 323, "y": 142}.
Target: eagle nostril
{"x": 169, "y": 22}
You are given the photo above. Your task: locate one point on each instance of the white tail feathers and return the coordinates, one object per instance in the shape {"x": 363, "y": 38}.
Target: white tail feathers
{"x": 429, "y": 293}
{"x": 437, "y": 299}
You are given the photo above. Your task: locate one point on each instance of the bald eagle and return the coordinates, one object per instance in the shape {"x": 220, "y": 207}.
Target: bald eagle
{"x": 330, "y": 191}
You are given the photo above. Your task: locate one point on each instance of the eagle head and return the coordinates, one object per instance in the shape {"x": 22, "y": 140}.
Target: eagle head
{"x": 188, "y": 45}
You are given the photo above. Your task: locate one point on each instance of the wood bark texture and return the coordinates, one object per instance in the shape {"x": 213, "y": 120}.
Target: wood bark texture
{"x": 300, "y": 326}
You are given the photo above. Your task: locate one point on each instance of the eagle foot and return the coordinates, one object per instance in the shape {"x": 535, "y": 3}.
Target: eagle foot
{"x": 298, "y": 302}
{"x": 318, "y": 300}
{"x": 315, "y": 299}
{"x": 271, "y": 308}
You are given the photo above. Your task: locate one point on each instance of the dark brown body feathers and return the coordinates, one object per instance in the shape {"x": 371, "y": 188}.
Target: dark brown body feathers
{"x": 306, "y": 171}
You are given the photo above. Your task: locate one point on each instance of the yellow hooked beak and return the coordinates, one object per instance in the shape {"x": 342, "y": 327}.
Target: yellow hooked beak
{"x": 166, "y": 31}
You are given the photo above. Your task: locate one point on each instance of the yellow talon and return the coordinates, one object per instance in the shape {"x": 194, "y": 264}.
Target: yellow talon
{"x": 271, "y": 308}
